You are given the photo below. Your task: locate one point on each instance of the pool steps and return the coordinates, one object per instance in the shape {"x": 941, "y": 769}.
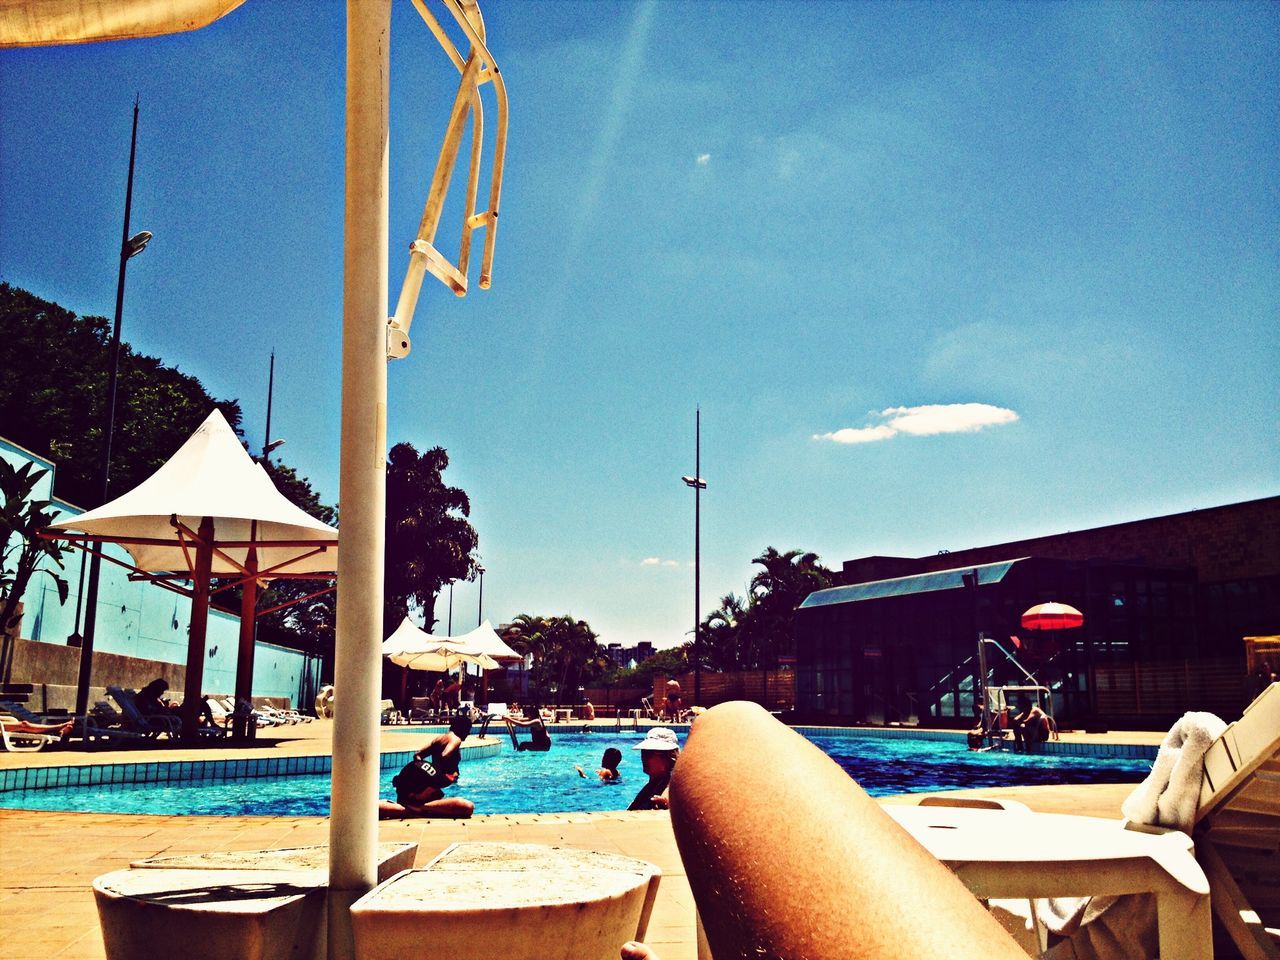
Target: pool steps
{"x": 38, "y": 778}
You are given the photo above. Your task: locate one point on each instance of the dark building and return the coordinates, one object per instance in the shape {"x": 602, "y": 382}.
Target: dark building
{"x": 1166, "y": 603}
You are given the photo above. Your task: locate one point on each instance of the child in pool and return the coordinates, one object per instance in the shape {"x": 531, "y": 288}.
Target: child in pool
{"x": 608, "y": 772}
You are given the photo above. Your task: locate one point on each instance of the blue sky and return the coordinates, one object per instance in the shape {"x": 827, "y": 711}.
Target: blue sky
{"x": 939, "y": 275}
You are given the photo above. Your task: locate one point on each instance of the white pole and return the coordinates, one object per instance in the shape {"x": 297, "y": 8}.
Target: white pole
{"x": 353, "y": 829}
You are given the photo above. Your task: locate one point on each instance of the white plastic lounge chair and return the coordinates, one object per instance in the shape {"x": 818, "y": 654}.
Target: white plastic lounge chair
{"x": 388, "y": 713}
{"x": 17, "y": 741}
{"x": 1236, "y": 831}
{"x": 1017, "y": 854}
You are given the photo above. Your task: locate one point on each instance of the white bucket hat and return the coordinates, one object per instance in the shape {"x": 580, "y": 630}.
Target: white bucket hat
{"x": 658, "y": 738}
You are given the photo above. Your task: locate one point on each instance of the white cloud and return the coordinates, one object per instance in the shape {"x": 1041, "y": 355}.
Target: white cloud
{"x": 924, "y": 421}
{"x": 650, "y": 562}
{"x": 704, "y": 159}
{"x": 670, "y": 563}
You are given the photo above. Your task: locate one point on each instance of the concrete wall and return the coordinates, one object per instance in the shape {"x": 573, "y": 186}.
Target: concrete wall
{"x": 136, "y": 620}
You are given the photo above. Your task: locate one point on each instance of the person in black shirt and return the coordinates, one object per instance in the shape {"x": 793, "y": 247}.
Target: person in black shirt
{"x": 658, "y": 753}
{"x": 421, "y": 784}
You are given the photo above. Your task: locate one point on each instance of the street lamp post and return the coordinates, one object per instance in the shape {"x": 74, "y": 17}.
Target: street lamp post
{"x": 480, "y": 605}
{"x": 451, "y": 608}
{"x": 130, "y": 246}
{"x": 698, "y": 484}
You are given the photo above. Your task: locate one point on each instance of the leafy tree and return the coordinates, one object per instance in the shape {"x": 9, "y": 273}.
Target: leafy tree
{"x": 566, "y": 652}
{"x": 668, "y": 663}
{"x": 721, "y": 647}
{"x": 429, "y": 539}
{"x": 20, "y": 549}
{"x": 53, "y": 393}
{"x": 752, "y": 633}
{"x": 776, "y": 591}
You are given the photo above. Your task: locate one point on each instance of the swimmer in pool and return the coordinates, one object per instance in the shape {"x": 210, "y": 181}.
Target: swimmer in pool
{"x": 608, "y": 772}
{"x": 540, "y": 739}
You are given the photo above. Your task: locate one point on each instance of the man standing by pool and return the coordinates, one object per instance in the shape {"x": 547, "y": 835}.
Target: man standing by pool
{"x": 420, "y": 785}
{"x": 658, "y": 752}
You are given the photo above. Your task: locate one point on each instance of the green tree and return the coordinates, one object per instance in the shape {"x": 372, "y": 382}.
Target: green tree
{"x": 776, "y": 591}
{"x": 53, "y": 389}
{"x": 666, "y": 663}
{"x": 721, "y": 636}
{"x": 566, "y": 653}
{"x": 429, "y": 539}
{"x": 20, "y": 549}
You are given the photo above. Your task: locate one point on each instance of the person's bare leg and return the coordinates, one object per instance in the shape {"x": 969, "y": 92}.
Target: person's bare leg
{"x": 788, "y": 857}
{"x": 637, "y": 951}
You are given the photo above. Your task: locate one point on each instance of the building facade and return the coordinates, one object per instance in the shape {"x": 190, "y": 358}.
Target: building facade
{"x": 1167, "y": 603}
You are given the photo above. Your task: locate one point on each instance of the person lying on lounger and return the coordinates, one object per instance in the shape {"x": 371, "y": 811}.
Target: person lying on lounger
{"x": 788, "y": 857}
{"x": 420, "y": 785}
{"x": 14, "y": 725}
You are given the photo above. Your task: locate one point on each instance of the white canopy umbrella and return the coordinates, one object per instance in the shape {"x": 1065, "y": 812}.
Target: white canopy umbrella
{"x": 414, "y": 648}
{"x": 484, "y": 639}
{"x": 209, "y": 511}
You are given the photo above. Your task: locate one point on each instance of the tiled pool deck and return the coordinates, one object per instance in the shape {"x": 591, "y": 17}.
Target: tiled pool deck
{"x": 49, "y": 860}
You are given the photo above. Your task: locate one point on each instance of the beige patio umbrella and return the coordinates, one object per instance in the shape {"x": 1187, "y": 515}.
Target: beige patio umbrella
{"x": 209, "y": 512}
{"x": 34, "y": 23}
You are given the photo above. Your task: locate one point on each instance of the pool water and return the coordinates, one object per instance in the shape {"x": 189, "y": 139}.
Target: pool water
{"x": 548, "y": 783}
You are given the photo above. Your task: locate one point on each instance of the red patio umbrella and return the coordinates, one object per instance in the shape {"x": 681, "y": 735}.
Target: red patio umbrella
{"x": 1052, "y": 616}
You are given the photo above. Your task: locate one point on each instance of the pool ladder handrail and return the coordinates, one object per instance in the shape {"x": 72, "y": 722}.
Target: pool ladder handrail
{"x": 477, "y": 68}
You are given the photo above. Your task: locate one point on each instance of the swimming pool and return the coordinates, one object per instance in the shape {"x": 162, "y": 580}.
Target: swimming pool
{"x": 511, "y": 782}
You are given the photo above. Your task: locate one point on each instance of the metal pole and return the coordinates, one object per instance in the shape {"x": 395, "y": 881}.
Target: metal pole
{"x": 451, "y": 608}
{"x": 271, "y": 383}
{"x": 480, "y": 606}
{"x": 353, "y": 827}
{"x": 109, "y": 425}
{"x": 697, "y": 557}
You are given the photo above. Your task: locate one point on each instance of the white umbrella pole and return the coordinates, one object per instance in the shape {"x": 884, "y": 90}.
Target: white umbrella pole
{"x": 353, "y": 829}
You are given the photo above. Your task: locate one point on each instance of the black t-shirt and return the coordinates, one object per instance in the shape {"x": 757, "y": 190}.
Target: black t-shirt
{"x": 651, "y": 789}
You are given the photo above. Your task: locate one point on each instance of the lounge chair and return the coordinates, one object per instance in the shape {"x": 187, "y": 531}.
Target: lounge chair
{"x": 1236, "y": 833}
{"x": 20, "y": 741}
{"x": 21, "y": 712}
{"x": 389, "y": 713}
{"x": 135, "y": 720}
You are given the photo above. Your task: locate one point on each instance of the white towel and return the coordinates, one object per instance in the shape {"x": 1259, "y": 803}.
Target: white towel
{"x": 1169, "y": 795}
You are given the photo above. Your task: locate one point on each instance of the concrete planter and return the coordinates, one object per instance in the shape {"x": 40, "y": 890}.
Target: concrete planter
{"x": 519, "y": 901}
{"x": 251, "y": 905}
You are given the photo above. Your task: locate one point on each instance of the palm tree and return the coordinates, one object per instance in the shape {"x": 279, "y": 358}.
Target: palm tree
{"x": 777, "y": 590}
{"x": 723, "y": 633}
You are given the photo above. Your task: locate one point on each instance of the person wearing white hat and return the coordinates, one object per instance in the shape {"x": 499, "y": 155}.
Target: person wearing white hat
{"x": 658, "y": 752}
